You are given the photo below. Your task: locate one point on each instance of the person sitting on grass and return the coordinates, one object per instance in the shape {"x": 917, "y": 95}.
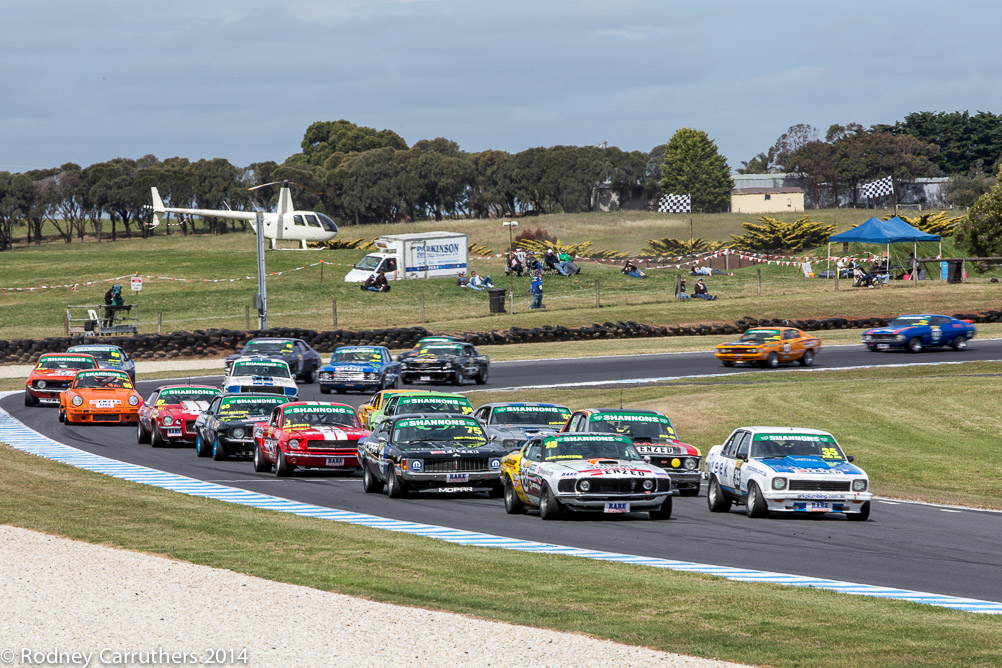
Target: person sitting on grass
{"x": 681, "y": 293}
{"x": 370, "y": 284}
{"x": 701, "y": 292}
{"x": 382, "y": 285}
{"x": 631, "y": 269}
{"x": 478, "y": 283}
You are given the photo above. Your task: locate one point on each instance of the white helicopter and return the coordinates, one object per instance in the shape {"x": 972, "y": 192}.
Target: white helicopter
{"x": 302, "y": 226}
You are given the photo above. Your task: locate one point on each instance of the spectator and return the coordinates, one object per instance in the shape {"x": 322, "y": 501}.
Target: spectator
{"x": 536, "y": 290}
{"x": 681, "y": 293}
{"x": 532, "y": 265}
{"x": 461, "y": 280}
{"x": 370, "y": 284}
{"x": 572, "y": 268}
{"x": 631, "y": 269}
{"x": 112, "y": 298}
{"x": 553, "y": 262}
{"x": 478, "y": 283}
{"x": 879, "y": 271}
{"x": 382, "y": 284}
{"x": 514, "y": 266}
{"x": 709, "y": 271}
{"x": 700, "y": 291}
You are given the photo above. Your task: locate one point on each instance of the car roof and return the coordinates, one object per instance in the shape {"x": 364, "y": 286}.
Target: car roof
{"x": 450, "y": 395}
{"x": 362, "y": 347}
{"x": 639, "y": 411}
{"x": 272, "y": 338}
{"x": 428, "y": 416}
{"x": 95, "y": 346}
{"x": 496, "y": 404}
{"x": 786, "y": 430}
{"x": 318, "y": 403}
{"x": 259, "y": 358}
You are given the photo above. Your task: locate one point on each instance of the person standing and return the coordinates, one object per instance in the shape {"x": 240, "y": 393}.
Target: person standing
{"x": 536, "y": 290}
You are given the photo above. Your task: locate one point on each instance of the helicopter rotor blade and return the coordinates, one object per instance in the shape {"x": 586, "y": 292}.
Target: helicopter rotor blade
{"x": 286, "y": 184}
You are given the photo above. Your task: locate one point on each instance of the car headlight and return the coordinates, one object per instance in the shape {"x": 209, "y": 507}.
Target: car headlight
{"x": 133, "y": 400}
{"x": 325, "y": 375}
{"x": 867, "y": 338}
{"x": 753, "y": 351}
{"x": 584, "y": 485}
{"x": 899, "y": 337}
{"x": 779, "y": 483}
{"x": 78, "y": 400}
{"x": 690, "y": 464}
{"x": 294, "y": 443}
{"x": 167, "y": 421}
{"x": 40, "y": 384}
{"x": 648, "y": 484}
{"x": 237, "y": 433}
{"x": 859, "y": 485}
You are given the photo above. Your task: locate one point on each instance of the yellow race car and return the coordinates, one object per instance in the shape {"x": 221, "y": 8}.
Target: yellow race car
{"x": 768, "y": 346}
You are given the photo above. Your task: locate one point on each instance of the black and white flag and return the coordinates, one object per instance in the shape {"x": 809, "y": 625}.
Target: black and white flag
{"x": 878, "y": 188}
{"x": 675, "y": 204}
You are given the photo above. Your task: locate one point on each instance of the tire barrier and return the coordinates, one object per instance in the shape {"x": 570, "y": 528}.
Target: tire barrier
{"x": 221, "y": 342}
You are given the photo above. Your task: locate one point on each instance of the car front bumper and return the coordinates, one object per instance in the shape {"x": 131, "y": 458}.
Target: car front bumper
{"x": 92, "y": 415}
{"x": 481, "y": 481}
{"x": 816, "y": 502}
{"x": 597, "y": 502}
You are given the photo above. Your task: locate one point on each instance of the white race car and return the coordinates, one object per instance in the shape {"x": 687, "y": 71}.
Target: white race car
{"x": 260, "y": 374}
{"x": 785, "y": 469}
{"x": 597, "y": 472}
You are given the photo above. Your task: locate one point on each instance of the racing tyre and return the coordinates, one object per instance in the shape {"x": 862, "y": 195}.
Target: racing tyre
{"x": 873, "y": 349}
{"x": 218, "y": 451}
{"x": 325, "y": 390}
{"x": 862, "y": 515}
{"x": 727, "y": 363}
{"x": 370, "y": 485}
{"x": 340, "y": 390}
{"x": 62, "y": 415}
{"x": 405, "y": 380}
{"x": 155, "y": 438}
{"x": 512, "y": 504}
{"x": 29, "y": 400}
{"x": 807, "y": 359}
{"x": 261, "y": 465}
{"x": 772, "y": 361}
{"x": 549, "y": 507}
{"x": 664, "y": 512}
{"x": 717, "y": 501}
{"x": 755, "y": 503}
{"x": 482, "y": 376}
{"x": 282, "y": 467}
{"x": 394, "y": 488}
{"x": 915, "y": 345}
{"x": 496, "y": 492}
{"x": 142, "y": 436}
{"x": 311, "y": 377}
{"x": 201, "y": 449}
{"x": 459, "y": 378}
{"x": 959, "y": 343}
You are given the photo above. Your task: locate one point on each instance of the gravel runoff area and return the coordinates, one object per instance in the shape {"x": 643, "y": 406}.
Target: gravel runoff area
{"x": 129, "y": 608}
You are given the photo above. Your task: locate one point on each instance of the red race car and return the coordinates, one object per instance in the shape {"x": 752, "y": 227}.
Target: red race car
{"x": 308, "y": 434}
{"x": 52, "y": 374}
{"x": 168, "y": 416}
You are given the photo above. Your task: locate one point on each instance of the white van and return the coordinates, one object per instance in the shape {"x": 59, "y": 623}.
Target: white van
{"x": 418, "y": 255}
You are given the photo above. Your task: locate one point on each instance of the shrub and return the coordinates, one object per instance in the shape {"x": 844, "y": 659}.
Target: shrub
{"x": 777, "y": 235}
{"x": 677, "y": 247}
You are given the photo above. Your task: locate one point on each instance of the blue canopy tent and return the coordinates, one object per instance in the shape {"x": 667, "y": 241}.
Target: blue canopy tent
{"x": 885, "y": 232}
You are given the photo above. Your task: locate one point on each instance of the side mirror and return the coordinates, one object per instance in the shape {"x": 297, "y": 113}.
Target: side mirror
{"x": 647, "y": 458}
{"x": 743, "y": 458}
{"x": 850, "y": 458}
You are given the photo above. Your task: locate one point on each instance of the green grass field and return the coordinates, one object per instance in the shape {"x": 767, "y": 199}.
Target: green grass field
{"x": 222, "y": 281}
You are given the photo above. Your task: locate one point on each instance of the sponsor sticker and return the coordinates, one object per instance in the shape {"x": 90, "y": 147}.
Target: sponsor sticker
{"x": 457, "y": 477}
{"x": 617, "y": 507}
{"x": 105, "y": 403}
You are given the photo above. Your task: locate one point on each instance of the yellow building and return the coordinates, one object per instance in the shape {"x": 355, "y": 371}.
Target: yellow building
{"x": 766, "y": 200}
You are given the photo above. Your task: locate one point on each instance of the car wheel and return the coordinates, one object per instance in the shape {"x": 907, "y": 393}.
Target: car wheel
{"x": 370, "y": 484}
{"x": 218, "y": 451}
{"x": 482, "y": 376}
{"x": 340, "y": 390}
{"x": 549, "y": 507}
{"x": 459, "y": 377}
{"x": 261, "y": 465}
{"x": 664, "y": 512}
{"x": 142, "y": 436}
{"x": 915, "y": 345}
{"x": 512, "y": 504}
{"x": 807, "y": 359}
{"x": 325, "y": 390}
{"x": 716, "y": 499}
{"x": 772, "y": 361}
{"x": 311, "y": 377}
{"x": 200, "y": 448}
{"x": 959, "y": 343}
{"x": 156, "y": 438}
{"x": 862, "y": 515}
{"x": 29, "y": 400}
{"x": 496, "y": 492}
{"x": 394, "y": 488}
{"x": 62, "y": 415}
{"x": 282, "y": 466}
{"x": 755, "y": 503}
{"x": 405, "y": 380}
{"x": 873, "y": 349}
{"x": 726, "y": 363}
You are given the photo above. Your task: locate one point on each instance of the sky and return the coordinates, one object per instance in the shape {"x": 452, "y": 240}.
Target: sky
{"x": 86, "y": 82}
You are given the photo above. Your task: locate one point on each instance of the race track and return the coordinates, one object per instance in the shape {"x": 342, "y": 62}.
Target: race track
{"x": 912, "y": 546}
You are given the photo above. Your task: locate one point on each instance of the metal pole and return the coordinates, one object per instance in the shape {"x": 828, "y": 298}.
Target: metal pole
{"x": 422, "y": 307}
{"x": 759, "y": 270}
{"x": 963, "y": 271}
{"x": 262, "y": 288}
{"x": 511, "y": 256}
{"x": 598, "y": 295}
{"x": 334, "y": 311}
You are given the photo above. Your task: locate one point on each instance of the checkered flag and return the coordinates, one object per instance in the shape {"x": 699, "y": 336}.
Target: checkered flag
{"x": 878, "y": 188}
{"x": 675, "y": 204}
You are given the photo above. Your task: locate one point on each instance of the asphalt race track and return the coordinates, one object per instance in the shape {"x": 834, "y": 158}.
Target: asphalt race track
{"x": 912, "y": 546}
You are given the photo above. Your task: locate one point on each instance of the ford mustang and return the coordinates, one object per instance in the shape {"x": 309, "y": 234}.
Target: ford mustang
{"x": 785, "y": 470}
{"x": 303, "y": 360}
{"x": 445, "y": 362}
{"x": 108, "y": 357}
{"x": 584, "y": 472}
{"x": 915, "y": 332}
{"x": 407, "y": 403}
{"x": 308, "y": 435}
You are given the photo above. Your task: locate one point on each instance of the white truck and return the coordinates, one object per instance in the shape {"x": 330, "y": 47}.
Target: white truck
{"x": 418, "y": 255}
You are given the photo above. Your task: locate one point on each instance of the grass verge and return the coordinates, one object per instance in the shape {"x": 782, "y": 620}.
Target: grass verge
{"x": 678, "y": 612}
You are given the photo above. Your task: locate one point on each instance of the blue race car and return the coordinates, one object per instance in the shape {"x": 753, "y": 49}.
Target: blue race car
{"x": 364, "y": 368}
{"x": 915, "y": 332}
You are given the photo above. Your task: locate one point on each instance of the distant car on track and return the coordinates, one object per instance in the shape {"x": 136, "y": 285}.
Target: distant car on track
{"x": 261, "y": 375}
{"x": 452, "y": 362}
{"x": 770, "y": 346}
{"x": 915, "y": 332}
{"x": 53, "y": 373}
{"x": 304, "y": 362}
{"x": 364, "y": 368}
{"x": 108, "y": 357}
{"x": 421, "y": 402}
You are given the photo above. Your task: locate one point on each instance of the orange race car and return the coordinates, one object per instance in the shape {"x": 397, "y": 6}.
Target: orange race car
{"x": 769, "y": 346}
{"x": 53, "y": 373}
{"x": 100, "y": 395}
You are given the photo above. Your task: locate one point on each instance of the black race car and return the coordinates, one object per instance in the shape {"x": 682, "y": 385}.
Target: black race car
{"x": 226, "y": 427}
{"x": 304, "y": 362}
{"x": 430, "y": 452}
{"x": 445, "y": 362}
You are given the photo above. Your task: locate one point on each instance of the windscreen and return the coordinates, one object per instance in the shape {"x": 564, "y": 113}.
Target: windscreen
{"x": 760, "y": 336}
{"x": 368, "y": 263}
{"x": 559, "y": 449}
{"x": 357, "y": 355}
{"x": 93, "y": 379}
{"x": 262, "y": 368}
{"x": 306, "y": 417}
{"x": 909, "y": 321}
{"x": 634, "y": 426}
{"x": 796, "y": 445}
{"x": 110, "y": 355}
{"x": 415, "y": 434}
{"x": 175, "y": 395}
{"x": 237, "y": 408}
{"x": 553, "y": 416}
{"x": 267, "y": 348}
{"x": 52, "y": 362}
{"x": 440, "y": 350}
